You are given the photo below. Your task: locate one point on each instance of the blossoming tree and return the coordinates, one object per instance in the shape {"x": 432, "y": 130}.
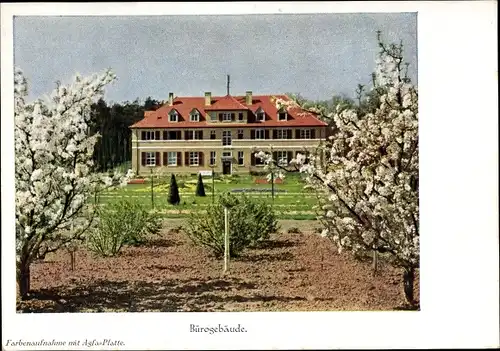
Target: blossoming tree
{"x": 53, "y": 168}
{"x": 367, "y": 172}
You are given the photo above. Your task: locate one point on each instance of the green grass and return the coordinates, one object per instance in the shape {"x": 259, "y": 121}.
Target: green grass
{"x": 296, "y": 203}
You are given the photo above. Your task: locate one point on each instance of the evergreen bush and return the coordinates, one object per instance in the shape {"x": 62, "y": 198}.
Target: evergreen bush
{"x": 200, "y": 188}
{"x": 173, "y": 192}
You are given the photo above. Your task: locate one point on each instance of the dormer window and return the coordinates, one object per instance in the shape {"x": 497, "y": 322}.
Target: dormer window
{"x": 226, "y": 116}
{"x": 173, "y": 116}
{"x": 194, "y": 116}
{"x": 282, "y": 115}
{"x": 261, "y": 115}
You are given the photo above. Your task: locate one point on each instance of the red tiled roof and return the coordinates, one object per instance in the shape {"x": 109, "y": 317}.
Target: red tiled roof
{"x": 184, "y": 105}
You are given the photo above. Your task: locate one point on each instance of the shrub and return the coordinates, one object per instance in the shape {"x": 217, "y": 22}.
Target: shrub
{"x": 119, "y": 224}
{"x": 173, "y": 193}
{"x": 250, "y": 221}
{"x": 200, "y": 189}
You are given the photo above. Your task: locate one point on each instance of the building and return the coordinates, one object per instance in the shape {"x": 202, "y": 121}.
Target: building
{"x": 192, "y": 134}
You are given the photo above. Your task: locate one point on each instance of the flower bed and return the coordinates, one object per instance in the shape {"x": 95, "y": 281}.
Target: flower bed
{"x": 136, "y": 181}
{"x": 257, "y": 190}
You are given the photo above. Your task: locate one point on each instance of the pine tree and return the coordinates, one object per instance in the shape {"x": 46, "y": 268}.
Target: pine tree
{"x": 200, "y": 188}
{"x": 173, "y": 193}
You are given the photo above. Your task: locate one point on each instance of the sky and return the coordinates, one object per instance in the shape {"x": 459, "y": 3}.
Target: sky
{"x": 316, "y": 55}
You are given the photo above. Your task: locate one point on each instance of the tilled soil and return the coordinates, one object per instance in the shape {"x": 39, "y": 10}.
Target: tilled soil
{"x": 290, "y": 272}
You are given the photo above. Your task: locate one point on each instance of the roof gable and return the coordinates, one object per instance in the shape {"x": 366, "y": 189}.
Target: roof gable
{"x": 226, "y": 103}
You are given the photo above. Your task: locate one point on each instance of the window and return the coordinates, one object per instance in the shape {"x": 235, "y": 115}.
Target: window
{"x": 227, "y": 117}
{"x": 259, "y": 134}
{"x": 213, "y": 116}
{"x": 194, "y": 135}
{"x": 194, "y": 116}
{"x": 240, "y": 133}
{"x": 150, "y": 159}
{"x": 172, "y": 159}
{"x": 282, "y": 116}
{"x": 173, "y": 116}
{"x": 305, "y": 134}
{"x": 212, "y": 157}
{"x": 226, "y": 137}
{"x": 148, "y": 135}
{"x": 282, "y": 134}
{"x": 240, "y": 158}
{"x": 212, "y": 134}
{"x": 240, "y": 116}
{"x": 227, "y": 154}
{"x": 260, "y": 114}
{"x": 172, "y": 135}
{"x": 282, "y": 158}
{"x": 194, "y": 158}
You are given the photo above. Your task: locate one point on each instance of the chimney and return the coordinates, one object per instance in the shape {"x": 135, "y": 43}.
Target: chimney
{"x": 249, "y": 98}
{"x": 208, "y": 98}
{"x": 170, "y": 99}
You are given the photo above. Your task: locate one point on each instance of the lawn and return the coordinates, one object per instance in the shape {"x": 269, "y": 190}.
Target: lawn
{"x": 291, "y": 200}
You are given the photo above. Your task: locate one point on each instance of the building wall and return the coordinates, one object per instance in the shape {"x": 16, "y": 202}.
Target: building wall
{"x": 206, "y": 145}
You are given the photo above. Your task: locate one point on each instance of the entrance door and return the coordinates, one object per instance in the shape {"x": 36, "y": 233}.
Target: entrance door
{"x": 226, "y": 167}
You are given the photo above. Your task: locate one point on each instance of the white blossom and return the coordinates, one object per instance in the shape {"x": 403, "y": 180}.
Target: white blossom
{"x": 108, "y": 181}
{"x": 330, "y": 214}
{"x": 300, "y": 159}
{"x": 53, "y": 159}
{"x": 367, "y": 184}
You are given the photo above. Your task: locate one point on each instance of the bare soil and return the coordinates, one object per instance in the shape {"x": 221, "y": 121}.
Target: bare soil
{"x": 291, "y": 272}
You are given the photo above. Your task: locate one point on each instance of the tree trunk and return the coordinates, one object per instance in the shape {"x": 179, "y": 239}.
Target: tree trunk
{"x": 408, "y": 279}
{"x": 23, "y": 280}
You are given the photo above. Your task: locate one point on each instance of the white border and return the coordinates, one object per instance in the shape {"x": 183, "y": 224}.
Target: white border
{"x": 458, "y": 83}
